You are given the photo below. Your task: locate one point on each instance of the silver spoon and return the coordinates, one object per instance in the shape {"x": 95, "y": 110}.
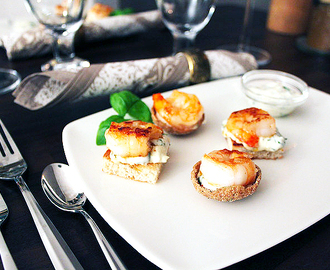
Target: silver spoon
{"x": 56, "y": 182}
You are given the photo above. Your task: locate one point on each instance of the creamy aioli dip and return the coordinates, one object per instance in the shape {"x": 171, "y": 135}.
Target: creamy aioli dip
{"x": 273, "y": 88}
{"x": 273, "y": 96}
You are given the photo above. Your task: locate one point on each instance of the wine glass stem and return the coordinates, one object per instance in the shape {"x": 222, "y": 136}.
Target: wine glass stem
{"x": 63, "y": 46}
{"x": 244, "y": 38}
{"x": 182, "y": 41}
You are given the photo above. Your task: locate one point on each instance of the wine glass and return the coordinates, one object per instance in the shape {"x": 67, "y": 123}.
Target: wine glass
{"x": 262, "y": 56}
{"x": 63, "y": 18}
{"x": 9, "y": 80}
{"x": 185, "y": 19}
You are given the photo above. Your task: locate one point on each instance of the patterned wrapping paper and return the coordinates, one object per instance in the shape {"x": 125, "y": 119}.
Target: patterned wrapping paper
{"x": 37, "y": 40}
{"x": 148, "y": 75}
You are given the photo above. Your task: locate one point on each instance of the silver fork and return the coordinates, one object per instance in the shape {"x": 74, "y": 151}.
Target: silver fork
{"x": 6, "y": 258}
{"x": 12, "y": 166}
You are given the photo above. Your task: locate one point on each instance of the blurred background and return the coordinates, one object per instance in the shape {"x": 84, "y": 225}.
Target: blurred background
{"x": 12, "y": 8}
{"x": 309, "y": 18}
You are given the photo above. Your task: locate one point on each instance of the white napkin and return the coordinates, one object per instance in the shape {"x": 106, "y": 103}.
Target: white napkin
{"x": 36, "y": 40}
{"x": 148, "y": 75}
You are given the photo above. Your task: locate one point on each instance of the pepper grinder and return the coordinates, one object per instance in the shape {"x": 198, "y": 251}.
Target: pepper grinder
{"x": 318, "y": 34}
{"x": 289, "y": 17}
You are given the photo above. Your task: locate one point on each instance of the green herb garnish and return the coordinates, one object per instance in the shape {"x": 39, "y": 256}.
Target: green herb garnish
{"x": 123, "y": 11}
{"x": 128, "y": 107}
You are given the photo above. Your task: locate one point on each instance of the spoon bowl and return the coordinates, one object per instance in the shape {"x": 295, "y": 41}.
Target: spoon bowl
{"x": 61, "y": 193}
{"x": 57, "y": 182}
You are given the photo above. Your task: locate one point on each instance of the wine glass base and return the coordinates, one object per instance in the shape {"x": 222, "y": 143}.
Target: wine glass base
{"x": 262, "y": 56}
{"x": 65, "y": 65}
{"x": 9, "y": 80}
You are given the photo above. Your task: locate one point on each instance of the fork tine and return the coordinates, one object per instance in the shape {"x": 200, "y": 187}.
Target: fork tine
{"x": 1, "y": 149}
{"x": 3, "y": 209}
{"x": 7, "y": 140}
{"x": 8, "y": 147}
{"x": 2, "y": 142}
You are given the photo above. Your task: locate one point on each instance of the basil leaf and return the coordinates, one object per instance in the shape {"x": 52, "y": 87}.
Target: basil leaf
{"x": 100, "y": 139}
{"x": 118, "y": 104}
{"x": 122, "y": 11}
{"x": 122, "y": 101}
{"x": 139, "y": 110}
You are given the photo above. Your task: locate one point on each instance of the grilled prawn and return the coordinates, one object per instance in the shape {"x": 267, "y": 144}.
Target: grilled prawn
{"x": 180, "y": 113}
{"x": 249, "y": 124}
{"x": 254, "y": 131}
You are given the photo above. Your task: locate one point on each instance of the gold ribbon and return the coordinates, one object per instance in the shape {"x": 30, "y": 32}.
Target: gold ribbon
{"x": 199, "y": 66}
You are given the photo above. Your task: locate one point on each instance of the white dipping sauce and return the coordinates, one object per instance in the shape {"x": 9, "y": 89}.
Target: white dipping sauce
{"x": 274, "y": 89}
{"x": 276, "y": 92}
{"x": 272, "y": 96}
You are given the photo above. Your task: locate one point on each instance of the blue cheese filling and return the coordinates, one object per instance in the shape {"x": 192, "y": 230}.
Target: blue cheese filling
{"x": 158, "y": 153}
{"x": 271, "y": 144}
{"x": 206, "y": 184}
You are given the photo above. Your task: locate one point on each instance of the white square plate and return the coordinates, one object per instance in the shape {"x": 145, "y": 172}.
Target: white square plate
{"x": 177, "y": 228}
